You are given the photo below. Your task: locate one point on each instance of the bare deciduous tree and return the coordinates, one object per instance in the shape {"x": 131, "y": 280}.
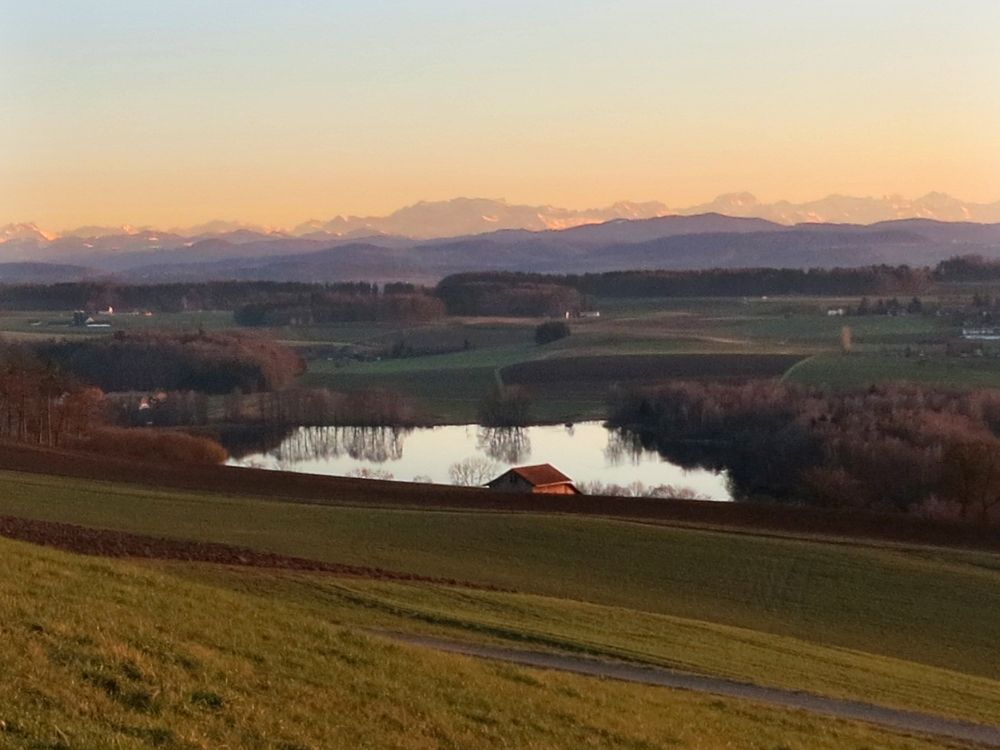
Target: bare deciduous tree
{"x": 472, "y": 472}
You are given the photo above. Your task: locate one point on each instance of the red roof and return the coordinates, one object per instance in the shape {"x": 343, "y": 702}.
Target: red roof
{"x": 541, "y": 475}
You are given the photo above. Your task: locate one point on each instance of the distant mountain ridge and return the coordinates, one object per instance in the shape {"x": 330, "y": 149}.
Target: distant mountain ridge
{"x": 677, "y": 241}
{"x": 461, "y": 216}
{"x": 468, "y": 216}
{"x": 671, "y": 242}
{"x": 842, "y": 209}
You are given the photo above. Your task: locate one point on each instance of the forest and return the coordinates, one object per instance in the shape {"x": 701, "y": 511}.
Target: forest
{"x": 508, "y": 294}
{"x": 400, "y": 302}
{"x": 899, "y": 448}
{"x": 39, "y": 405}
{"x": 967, "y": 268}
{"x": 471, "y": 293}
{"x": 198, "y": 361}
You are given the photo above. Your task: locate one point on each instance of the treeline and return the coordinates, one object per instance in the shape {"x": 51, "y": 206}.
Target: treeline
{"x": 320, "y": 407}
{"x": 254, "y": 303}
{"x": 395, "y": 302}
{"x": 894, "y": 448}
{"x": 100, "y": 295}
{"x": 179, "y": 297}
{"x": 206, "y": 362}
{"x": 501, "y": 292}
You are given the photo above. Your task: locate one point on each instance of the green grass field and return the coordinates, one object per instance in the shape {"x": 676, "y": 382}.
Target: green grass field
{"x": 110, "y": 654}
{"x": 860, "y": 369}
{"x": 103, "y": 654}
{"x": 794, "y": 326}
{"x": 897, "y": 603}
{"x": 872, "y": 330}
{"x": 549, "y": 623}
{"x": 47, "y": 325}
{"x": 448, "y": 386}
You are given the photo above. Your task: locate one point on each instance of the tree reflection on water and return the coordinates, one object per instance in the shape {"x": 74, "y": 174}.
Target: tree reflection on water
{"x": 371, "y": 444}
{"x": 509, "y": 445}
{"x": 624, "y": 446}
{"x": 588, "y": 452}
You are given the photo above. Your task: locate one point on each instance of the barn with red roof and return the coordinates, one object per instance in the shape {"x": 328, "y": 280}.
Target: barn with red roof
{"x": 540, "y": 479}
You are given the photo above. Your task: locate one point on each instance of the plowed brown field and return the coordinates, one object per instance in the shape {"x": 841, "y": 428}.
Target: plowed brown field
{"x": 105, "y": 543}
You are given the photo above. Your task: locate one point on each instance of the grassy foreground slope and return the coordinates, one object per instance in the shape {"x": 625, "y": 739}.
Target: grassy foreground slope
{"x": 933, "y": 607}
{"x": 100, "y": 654}
{"x": 562, "y": 625}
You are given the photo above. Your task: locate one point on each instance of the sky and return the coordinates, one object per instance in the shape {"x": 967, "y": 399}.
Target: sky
{"x": 174, "y": 113}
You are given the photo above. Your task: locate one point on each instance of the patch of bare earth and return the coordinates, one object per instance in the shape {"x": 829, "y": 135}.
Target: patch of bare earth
{"x": 117, "y": 544}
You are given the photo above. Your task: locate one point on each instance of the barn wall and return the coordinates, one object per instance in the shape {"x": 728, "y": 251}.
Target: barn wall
{"x": 556, "y": 489}
{"x": 512, "y": 483}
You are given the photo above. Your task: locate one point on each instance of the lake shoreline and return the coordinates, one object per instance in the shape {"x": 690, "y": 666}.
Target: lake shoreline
{"x": 595, "y": 456}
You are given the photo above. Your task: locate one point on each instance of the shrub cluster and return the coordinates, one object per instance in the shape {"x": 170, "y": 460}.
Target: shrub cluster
{"x": 154, "y": 446}
{"x": 550, "y": 331}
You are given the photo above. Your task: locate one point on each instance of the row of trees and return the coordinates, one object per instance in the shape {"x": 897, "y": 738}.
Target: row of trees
{"x": 893, "y": 306}
{"x": 320, "y": 407}
{"x": 898, "y": 448}
{"x": 175, "y": 297}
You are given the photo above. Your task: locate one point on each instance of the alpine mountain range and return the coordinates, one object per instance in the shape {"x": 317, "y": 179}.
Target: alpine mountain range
{"x": 428, "y": 240}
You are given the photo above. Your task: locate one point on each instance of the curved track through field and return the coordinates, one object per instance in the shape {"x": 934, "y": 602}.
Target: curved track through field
{"x": 891, "y": 718}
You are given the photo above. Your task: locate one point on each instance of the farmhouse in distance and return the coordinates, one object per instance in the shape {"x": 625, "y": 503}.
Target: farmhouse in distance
{"x": 544, "y": 479}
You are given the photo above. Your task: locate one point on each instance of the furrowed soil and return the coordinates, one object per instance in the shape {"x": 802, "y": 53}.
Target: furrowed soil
{"x": 117, "y": 544}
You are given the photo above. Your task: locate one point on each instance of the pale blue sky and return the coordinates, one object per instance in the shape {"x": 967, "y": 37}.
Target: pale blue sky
{"x": 174, "y": 112}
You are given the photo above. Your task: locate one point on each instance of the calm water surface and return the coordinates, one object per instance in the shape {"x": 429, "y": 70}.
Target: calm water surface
{"x": 586, "y": 452}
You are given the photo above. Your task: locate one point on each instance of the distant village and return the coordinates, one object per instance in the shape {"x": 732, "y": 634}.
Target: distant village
{"x": 101, "y": 318}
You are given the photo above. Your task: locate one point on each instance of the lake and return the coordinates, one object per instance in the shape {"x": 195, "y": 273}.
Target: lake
{"x": 586, "y": 452}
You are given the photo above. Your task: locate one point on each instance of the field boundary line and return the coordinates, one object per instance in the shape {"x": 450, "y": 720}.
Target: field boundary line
{"x": 793, "y": 368}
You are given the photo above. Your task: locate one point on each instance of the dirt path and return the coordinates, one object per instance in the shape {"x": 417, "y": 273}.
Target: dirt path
{"x": 908, "y": 721}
